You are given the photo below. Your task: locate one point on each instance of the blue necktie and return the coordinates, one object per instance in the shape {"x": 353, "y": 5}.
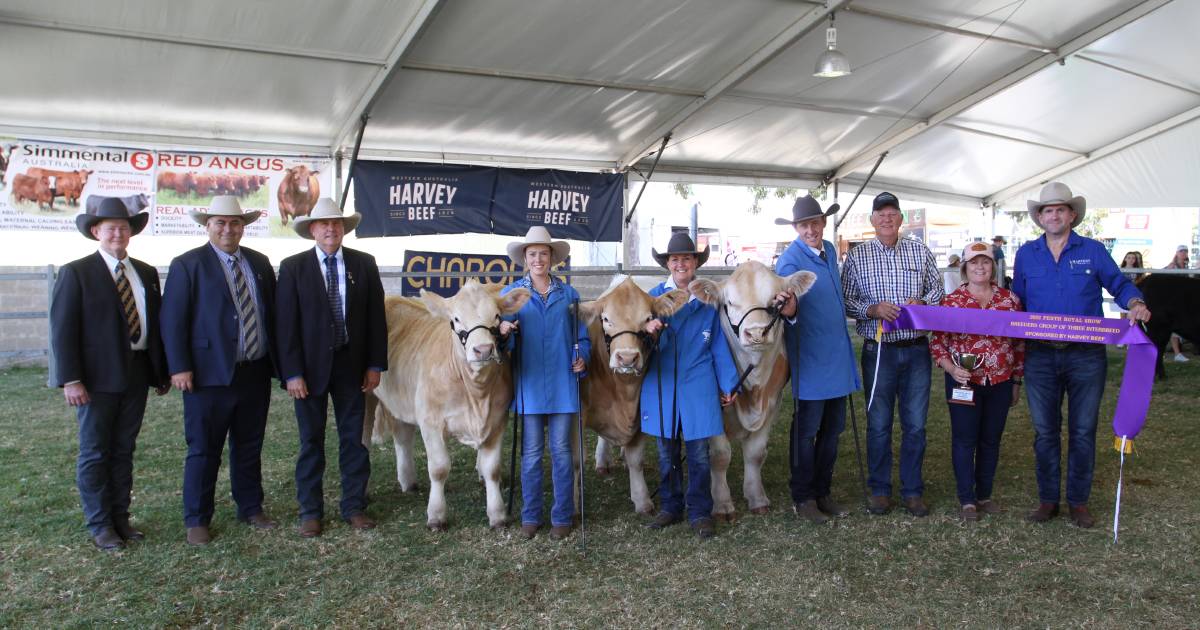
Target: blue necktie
{"x": 335, "y": 302}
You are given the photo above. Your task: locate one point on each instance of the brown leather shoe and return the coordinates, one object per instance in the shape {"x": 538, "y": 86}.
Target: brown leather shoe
{"x": 831, "y": 507}
{"x": 361, "y": 522}
{"x": 809, "y": 510}
{"x": 988, "y": 506}
{"x": 108, "y": 540}
{"x": 198, "y": 535}
{"x": 261, "y": 521}
{"x": 916, "y": 506}
{"x": 664, "y": 519}
{"x": 310, "y": 528}
{"x": 969, "y": 513}
{"x": 704, "y": 528}
{"x": 1043, "y": 513}
{"x": 529, "y": 530}
{"x": 559, "y": 532}
{"x": 879, "y": 505}
{"x": 125, "y": 530}
{"x": 1082, "y": 517}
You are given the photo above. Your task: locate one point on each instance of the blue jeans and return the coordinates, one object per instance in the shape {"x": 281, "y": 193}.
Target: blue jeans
{"x": 562, "y": 473}
{"x": 699, "y": 485}
{"x": 904, "y": 373}
{"x": 1078, "y": 372}
{"x": 816, "y": 425}
{"x": 975, "y": 438}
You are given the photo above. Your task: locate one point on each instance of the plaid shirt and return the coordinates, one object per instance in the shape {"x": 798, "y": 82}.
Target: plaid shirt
{"x": 873, "y": 273}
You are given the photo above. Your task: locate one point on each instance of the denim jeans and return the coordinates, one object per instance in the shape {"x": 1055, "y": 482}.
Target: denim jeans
{"x": 562, "y": 473}
{"x": 699, "y": 501}
{"x": 975, "y": 438}
{"x": 816, "y": 425}
{"x": 1077, "y": 372}
{"x": 904, "y": 373}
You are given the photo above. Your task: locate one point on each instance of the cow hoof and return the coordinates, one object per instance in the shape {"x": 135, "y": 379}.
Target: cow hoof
{"x": 413, "y": 489}
{"x": 603, "y": 471}
{"x": 727, "y": 517}
{"x": 437, "y": 526}
{"x": 498, "y": 526}
{"x": 760, "y": 510}
{"x": 647, "y": 511}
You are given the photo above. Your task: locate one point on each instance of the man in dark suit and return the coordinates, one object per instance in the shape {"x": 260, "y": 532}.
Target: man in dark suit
{"x": 332, "y": 338}
{"x": 107, "y": 353}
{"x": 218, "y": 329}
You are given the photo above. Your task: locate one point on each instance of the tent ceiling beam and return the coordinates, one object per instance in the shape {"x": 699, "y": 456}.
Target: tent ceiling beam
{"x": 161, "y": 141}
{"x": 1177, "y": 120}
{"x": 183, "y": 40}
{"x": 904, "y": 19}
{"x": 1130, "y": 15}
{"x": 549, "y": 78}
{"x": 403, "y": 44}
{"x": 1105, "y": 64}
{"x": 813, "y": 17}
{"x": 521, "y": 161}
{"x": 774, "y": 101}
{"x": 1000, "y": 136}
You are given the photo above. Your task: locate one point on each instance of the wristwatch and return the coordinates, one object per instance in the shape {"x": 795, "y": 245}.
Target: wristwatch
{"x": 1134, "y": 302}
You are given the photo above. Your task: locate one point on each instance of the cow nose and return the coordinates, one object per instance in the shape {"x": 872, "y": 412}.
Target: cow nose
{"x": 754, "y": 335}
{"x": 626, "y": 358}
{"x": 483, "y": 351}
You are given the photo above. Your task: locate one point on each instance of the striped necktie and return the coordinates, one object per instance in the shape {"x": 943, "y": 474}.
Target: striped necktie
{"x": 335, "y": 301}
{"x": 247, "y": 312}
{"x": 128, "y": 304}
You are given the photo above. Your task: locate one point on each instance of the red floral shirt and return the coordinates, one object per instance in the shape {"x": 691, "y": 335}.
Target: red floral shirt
{"x": 1003, "y": 357}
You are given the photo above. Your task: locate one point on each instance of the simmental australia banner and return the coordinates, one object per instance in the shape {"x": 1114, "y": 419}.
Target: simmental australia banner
{"x": 401, "y": 199}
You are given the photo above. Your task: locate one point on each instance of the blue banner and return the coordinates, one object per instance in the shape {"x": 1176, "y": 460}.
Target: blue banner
{"x": 581, "y": 206}
{"x": 403, "y": 199}
{"x": 498, "y": 267}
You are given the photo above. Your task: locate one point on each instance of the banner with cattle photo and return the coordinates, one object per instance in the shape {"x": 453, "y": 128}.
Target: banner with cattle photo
{"x": 46, "y": 184}
{"x": 498, "y": 267}
{"x": 282, "y": 188}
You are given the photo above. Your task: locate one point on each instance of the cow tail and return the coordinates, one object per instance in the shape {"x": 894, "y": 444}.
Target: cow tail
{"x": 369, "y": 424}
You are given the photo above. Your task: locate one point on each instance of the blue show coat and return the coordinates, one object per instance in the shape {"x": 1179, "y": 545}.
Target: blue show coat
{"x": 819, "y": 352}
{"x": 691, "y": 362}
{"x": 545, "y": 382}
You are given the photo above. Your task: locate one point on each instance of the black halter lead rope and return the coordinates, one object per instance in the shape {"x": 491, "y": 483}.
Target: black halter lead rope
{"x": 771, "y": 309}
{"x": 463, "y": 334}
{"x": 645, "y": 338}
{"x": 519, "y": 419}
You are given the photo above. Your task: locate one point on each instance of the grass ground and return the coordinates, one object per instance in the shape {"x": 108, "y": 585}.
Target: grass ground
{"x": 891, "y": 571}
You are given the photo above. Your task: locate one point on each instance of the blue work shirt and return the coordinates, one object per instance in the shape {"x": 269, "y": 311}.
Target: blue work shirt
{"x": 693, "y": 366}
{"x": 819, "y": 352}
{"x": 1070, "y": 286}
{"x": 545, "y": 383}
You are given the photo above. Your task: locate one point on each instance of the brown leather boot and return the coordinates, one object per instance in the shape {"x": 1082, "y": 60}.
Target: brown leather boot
{"x": 1042, "y": 513}
{"x": 988, "y": 506}
{"x": 261, "y": 521}
{"x": 969, "y": 513}
{"x": 809, "y": 510}
{"x": 310, "y": 528}
{"x": 559, "y": 532}
{"x": 831, "y": 507}
{"x": 529, "y": 530}
{"x": 198, "y": 535}
{"x": 704, "y": 528}
{"x": 125, "y": 530}
{"x": 1081, "y": 517}
{"x": 108, "y": 540}
{"x": 361, "y": 522}
{"x": 880, "y": 505}
{"x": 664, "y": 519}
{"x": 916, "y": 506}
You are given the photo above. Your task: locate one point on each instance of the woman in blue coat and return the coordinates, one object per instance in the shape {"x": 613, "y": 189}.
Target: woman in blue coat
{"x": 550, "y": 359}
{"x": 691, "y": 375}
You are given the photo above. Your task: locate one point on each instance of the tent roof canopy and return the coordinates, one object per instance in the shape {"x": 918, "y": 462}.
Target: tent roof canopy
{"x": 975, "y": 100}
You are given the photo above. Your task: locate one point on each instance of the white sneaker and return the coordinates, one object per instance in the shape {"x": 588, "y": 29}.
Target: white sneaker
{"x": 1179, "y": 358}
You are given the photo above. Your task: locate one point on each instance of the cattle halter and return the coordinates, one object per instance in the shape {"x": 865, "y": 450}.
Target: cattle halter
{"x": 645, "y": 338}
{"x": 463, "y": 334}
{"x": 771, "y": 309}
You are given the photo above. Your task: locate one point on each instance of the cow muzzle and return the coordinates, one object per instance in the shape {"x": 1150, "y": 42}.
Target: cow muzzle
{"x": 626, "y": 362}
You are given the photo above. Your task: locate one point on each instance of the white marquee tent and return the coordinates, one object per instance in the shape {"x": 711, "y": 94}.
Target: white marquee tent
{"x": 974, "y": 101}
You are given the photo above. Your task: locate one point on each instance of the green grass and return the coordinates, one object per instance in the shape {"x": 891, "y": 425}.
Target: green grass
{"x": 891, "y": 571}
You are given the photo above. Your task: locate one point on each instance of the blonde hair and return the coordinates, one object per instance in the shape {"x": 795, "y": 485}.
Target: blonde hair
{"x": 962, "y": 269}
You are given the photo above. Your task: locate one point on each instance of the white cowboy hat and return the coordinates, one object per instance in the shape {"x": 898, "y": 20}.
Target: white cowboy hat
{"x": 324, "y": 210}
{"x": 1057, "y": 193}
{"x": 225, "y": 206}
{"x": 538, "y": 235}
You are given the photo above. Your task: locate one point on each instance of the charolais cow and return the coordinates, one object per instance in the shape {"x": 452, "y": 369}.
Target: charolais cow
{"x": 755, "y": 336}
{"x": 298, "y": 193}
{"x": 1174, "y": 303}
{"x": 448, "y": 381}
{"x": 610, "y": 393}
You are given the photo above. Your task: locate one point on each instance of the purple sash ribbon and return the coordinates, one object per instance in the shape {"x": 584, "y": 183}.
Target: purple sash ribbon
{"x": 1133, "y": 399}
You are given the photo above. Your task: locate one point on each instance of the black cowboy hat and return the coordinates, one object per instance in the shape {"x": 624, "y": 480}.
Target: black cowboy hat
{"x": 806, "y": 208}
{"x": 110, "y": 208}
{"x": 680, "y": 243}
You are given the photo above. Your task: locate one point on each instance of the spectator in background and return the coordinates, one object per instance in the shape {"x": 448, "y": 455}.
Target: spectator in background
{"x": 1180, "y": 261}
{"x": 952, "y": 278}
{"x": 1133, "y": 260}
{"x": 998, "y": 243}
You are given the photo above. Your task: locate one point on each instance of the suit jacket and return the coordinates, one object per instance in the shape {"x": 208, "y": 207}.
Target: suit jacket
{"x": 200, "y": 324}
{"x": 304, "y": 323}
{"x": 88, "y": 328}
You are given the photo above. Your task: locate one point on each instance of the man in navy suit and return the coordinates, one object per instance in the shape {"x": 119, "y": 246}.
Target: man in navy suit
{"x": 332, "y": 337}
{"x": 107, "y": 353}
{"x": 218, "y": 327}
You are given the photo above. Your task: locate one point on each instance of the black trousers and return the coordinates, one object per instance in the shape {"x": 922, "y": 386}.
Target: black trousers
{"x": 349, "y": 404}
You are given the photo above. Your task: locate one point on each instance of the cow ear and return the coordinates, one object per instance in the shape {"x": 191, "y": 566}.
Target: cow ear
{"x": 800, "y": 282}
{"x": 668, "y": 303}
{"x": 706, "y": 291}
{"x": 435, "y": 303}
{"x": 589, "y": 311}
{"x": 512, "y": 301}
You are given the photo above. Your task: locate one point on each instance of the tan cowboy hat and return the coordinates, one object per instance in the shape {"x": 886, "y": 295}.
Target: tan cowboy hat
{"x": 1057, "y": 193}
{"x": 224, "y": 206}
{"x": 324, "y": 210}
{"x": 538, "y": 235}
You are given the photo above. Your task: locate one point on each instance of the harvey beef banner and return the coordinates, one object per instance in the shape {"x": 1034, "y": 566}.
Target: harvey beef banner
{"x": 400, "y": 199}
{"x": 501, "y": 270}
{"x": 46, "y": 184}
